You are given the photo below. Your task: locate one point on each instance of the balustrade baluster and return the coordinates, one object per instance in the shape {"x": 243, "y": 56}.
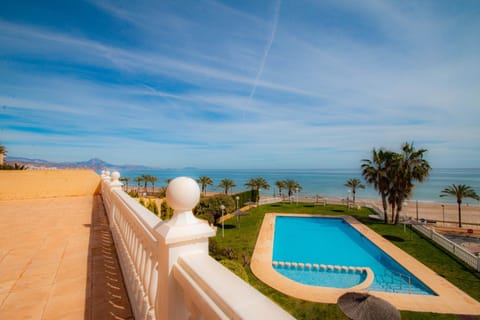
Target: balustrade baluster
{"x": 148, "y": 252}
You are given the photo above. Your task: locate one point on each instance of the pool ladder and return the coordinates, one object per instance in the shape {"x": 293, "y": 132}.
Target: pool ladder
{"x": 397, "y": 275}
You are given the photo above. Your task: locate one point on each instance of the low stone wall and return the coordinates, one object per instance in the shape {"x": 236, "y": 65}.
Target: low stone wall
{"x": 34, "y": 184}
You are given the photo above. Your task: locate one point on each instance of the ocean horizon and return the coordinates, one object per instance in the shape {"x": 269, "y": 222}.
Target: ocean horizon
{"x": 322, "y": 182}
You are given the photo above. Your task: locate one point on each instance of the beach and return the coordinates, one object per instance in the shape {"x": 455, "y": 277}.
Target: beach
{"x": 445, "y": 214}
{"x": 432, "y": 211}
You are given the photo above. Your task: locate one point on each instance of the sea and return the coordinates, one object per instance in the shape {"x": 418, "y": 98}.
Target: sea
{"x": 327, "y": 183}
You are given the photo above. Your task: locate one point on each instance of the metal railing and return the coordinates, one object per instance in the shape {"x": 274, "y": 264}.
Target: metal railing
{"x": 398, "y": 275}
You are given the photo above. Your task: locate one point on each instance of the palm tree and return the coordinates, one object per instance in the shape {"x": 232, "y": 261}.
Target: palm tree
{"x": 393, "y": 175}
{"x": 146, "y": 179}
{"x": 3, "y": 154}
{"x": 460, "y": 191}
{"x": 375, "y": 172}
{"x": 153, "y": 180}
{"x": 205, "y": 181}
{"x": 280, "y": 185}
{"x": 226, "y": 184}
{"x": 125, "y": 179}
{"x": 408, "y": 167}
{"x": 257, "y": 184}
{"x": 354, "y": 184}
{"x": 292, "y": 186}
{"x": 162, "y": 191}
{"x": 138, "y": 180}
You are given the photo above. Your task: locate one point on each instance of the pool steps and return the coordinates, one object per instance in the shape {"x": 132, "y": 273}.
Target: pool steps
{"x": 328, "y": 267}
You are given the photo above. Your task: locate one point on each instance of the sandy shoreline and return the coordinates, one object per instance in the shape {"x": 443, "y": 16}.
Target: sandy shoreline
{"x": 426, "y": 210}
{"x": 441, "y": 213}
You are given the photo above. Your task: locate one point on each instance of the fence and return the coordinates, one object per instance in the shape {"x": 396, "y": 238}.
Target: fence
{"x": 166, "y": 267}
{"x": 460, "y": 252}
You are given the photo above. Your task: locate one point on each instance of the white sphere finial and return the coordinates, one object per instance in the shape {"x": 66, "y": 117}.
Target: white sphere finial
{"x": 114, "y": 180}
{"x": 183, "y": 194}
{"x": 115, "y": 175}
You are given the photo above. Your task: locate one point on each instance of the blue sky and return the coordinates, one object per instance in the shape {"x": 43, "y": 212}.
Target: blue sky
{"x": 240, "y": 84}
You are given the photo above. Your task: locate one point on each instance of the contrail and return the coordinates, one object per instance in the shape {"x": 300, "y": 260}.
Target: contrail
{"x": 267, "y": 50}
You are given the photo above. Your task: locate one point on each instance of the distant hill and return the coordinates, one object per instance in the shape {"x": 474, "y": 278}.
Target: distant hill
{"x": 94, "y": 164}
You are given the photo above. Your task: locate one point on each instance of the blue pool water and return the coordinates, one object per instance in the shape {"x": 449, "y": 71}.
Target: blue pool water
{"x": 332, "y": 241}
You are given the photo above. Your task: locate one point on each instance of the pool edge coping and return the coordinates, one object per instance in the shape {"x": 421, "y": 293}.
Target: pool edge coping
{"x": 449, "y": 298}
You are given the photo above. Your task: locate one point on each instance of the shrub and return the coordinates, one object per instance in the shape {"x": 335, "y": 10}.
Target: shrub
{"x": 236, "y": 268}
{"x": 211, "y": 206}
{"x": 133, "y": 193}
{"x": 246, "y": 196}
{"x": 167, "y": 211}
{"x": 150, "y": 204}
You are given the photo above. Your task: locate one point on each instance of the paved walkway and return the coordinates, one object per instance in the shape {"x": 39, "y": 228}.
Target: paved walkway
{"x": 58, "y": 261}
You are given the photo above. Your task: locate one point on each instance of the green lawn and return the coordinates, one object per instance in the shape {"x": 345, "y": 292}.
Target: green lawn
{"x": 240, "y": 238}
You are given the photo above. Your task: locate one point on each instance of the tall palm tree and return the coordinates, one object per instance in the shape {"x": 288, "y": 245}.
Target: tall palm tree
{"x": 280, "y": 185}
{"x": 408, "y": 167}
{"x": 460, "y": 191}
{"x": 204, "y": 182}
{"x": 153, "y": 180}
{"x": 374, "y": 171}
{"x": 3, "y": 154}
{"x": 354, "y": 184}
{"x": 146, "y": 179}
{"x": 258, "y": 184}
{"x": 292, "y": 186}
{"x": 126, "y": 180}
{"x": 138, "y": 180}
{"x": 226, "y": 184}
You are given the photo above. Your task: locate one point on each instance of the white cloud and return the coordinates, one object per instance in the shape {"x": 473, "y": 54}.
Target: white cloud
{"x": 180, "y": 95}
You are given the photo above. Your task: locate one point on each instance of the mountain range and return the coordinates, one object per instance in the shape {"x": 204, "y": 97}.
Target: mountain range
{"x": 94, "y": 164}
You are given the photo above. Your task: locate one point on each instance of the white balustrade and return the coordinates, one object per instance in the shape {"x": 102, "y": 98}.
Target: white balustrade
{"x": 462, "y": 253}
{"x": 166, "y": 267}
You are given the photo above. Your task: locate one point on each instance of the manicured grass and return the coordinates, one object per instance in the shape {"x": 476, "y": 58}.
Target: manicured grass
{"x": 240, "y": 238}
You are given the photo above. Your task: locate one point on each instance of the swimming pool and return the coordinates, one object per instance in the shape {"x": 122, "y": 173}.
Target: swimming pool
{"x": 329, "y": 252}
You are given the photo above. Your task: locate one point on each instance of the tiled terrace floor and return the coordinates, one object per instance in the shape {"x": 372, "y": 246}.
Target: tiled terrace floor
{"x": 58, "y": 261}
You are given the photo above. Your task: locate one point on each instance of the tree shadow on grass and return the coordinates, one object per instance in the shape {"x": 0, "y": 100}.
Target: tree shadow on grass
{"x": 226, "y": 226}
{"x": 393, "y": 238}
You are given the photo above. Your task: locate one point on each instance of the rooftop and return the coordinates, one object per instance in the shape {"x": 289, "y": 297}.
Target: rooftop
{"x": 58, "y": 261}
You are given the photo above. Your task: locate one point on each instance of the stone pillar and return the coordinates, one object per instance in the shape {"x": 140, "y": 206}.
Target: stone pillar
{"x": 107, "y": 176}
{"x": 182, "y": 235}
{"x": 115, "y": 182}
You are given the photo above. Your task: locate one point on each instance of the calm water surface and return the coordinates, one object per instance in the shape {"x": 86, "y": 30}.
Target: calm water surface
{"x": 322, "y": 182}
